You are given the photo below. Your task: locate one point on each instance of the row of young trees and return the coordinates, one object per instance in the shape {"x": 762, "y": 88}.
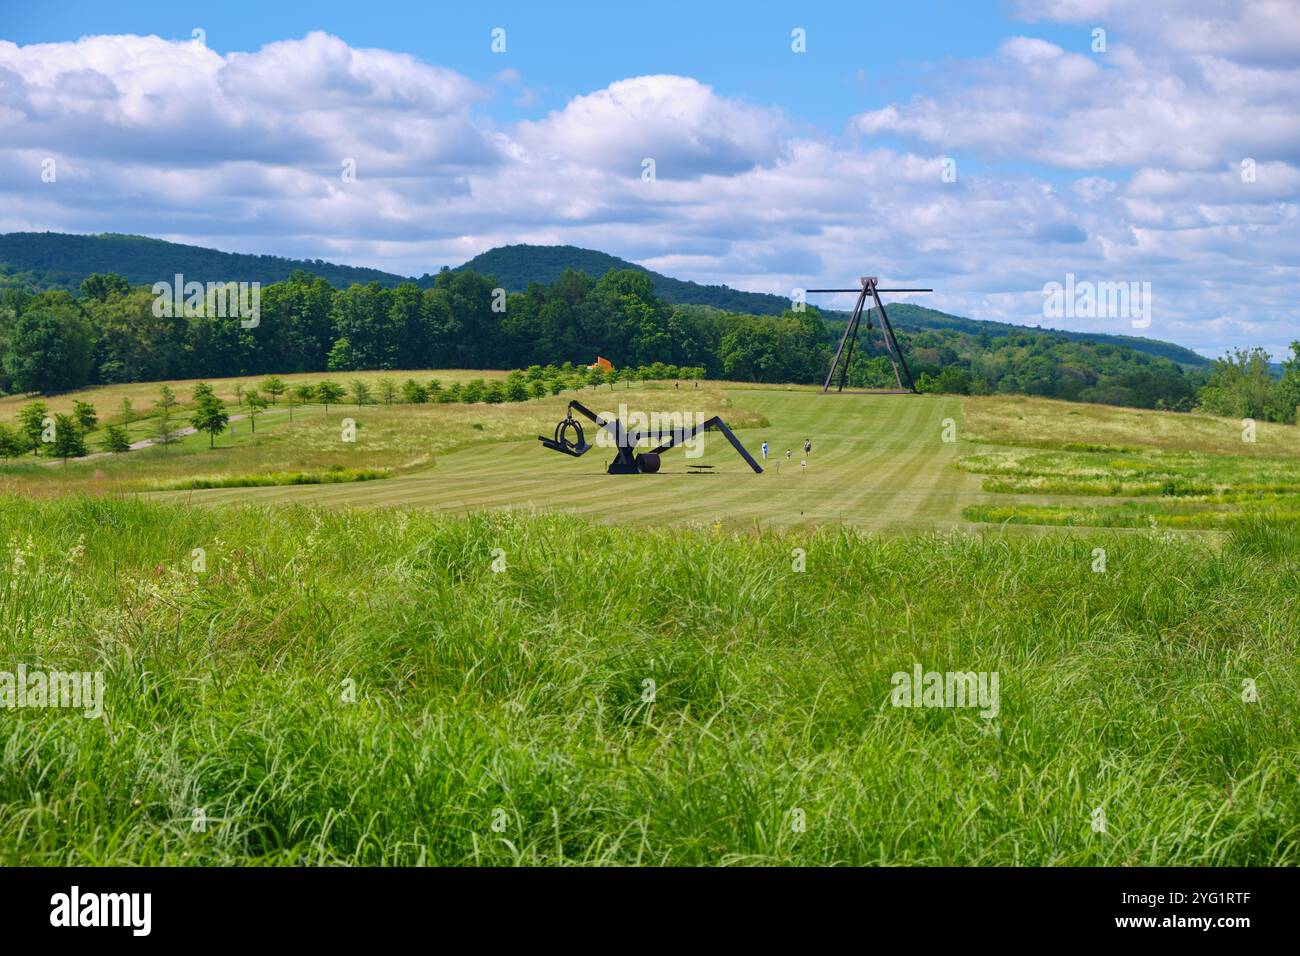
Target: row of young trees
{"x": 64, "y": 435}
{"x": 61, "y": 435}
{"x": 536, "y": 381}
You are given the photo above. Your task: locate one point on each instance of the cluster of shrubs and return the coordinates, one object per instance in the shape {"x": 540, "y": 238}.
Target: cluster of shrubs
{"x": 536, "y": 381}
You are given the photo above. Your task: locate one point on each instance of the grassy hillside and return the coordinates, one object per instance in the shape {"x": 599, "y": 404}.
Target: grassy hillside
{"x": 401, "y": 439}
{"x": 1069, "y": 426}
{"x": 142, "y": 395}
{"x": 879, "y": 462}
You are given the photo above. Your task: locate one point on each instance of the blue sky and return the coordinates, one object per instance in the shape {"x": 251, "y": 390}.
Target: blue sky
{"x": 566, "y": 49}
{"x": 773, "y": 169}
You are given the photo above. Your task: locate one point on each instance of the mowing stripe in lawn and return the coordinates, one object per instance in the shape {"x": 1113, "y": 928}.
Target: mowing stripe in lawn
{"x": 877, "y": 462}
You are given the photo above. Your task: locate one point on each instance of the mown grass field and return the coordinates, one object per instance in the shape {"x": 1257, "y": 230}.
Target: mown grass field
{"x": 877, "y": 461}
{"x": 402, "y": 438}
{"x": 501, "y": 655}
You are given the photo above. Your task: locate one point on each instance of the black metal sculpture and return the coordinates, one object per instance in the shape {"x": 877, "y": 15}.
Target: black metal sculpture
{"x": 901, "y": 371}
{"x": 627, "y": 460}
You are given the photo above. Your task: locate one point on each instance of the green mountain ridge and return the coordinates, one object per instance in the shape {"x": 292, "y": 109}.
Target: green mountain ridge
{"x": 63, "y": 260}
{"x": 518, "y": 265}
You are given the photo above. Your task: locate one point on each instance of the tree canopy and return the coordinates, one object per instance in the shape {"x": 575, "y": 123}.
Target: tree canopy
{"x": 56, "y": 340}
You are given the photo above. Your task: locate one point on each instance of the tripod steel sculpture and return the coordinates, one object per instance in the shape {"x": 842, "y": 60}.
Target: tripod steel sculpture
{"x": 628, "y": 461}
{"x": 902, "y": 374}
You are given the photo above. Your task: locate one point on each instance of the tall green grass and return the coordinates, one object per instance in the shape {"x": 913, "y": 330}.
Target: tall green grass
{"x": 1169, "y": 513}
{"x": 1139, "y": 472}
{"x": 335, "y": 475}
{"x": 504, "y": 718}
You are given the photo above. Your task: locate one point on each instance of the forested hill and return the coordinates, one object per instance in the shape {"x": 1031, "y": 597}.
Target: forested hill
{"x": 59, "y": 260}
{"x": 516, "y": 266}
{"x": 907, "y": 316}
{"x": 52, "y": 260}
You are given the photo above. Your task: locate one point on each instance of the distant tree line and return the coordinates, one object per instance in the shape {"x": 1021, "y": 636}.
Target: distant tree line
{"x": 1032, "y": 363}
{"x": 1241, "y": 385}
{"x": 108, "y": 333}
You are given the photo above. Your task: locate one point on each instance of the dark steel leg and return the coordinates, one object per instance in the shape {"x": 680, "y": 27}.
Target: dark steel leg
{"x": 891, "y": 345}
{"x": 849, "y": 330}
